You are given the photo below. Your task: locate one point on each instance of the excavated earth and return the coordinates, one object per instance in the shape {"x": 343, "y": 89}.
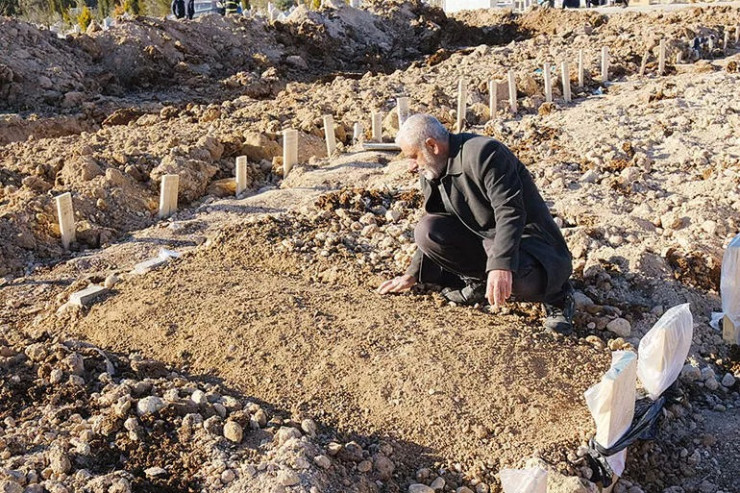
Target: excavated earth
{"x": 260, "y": 358}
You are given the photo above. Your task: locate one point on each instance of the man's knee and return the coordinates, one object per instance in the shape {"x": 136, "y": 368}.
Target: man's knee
{"x": 426, "y": 232}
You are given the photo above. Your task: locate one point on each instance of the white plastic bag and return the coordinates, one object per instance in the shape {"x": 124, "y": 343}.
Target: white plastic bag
{"x": 663, "y": 350}
{"x": 612, "y": 404}
{"x": 532, "y": 480}
{"x": 730, "y": 288}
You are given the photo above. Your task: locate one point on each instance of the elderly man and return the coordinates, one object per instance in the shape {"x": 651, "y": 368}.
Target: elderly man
{"x": 487, "y": 233}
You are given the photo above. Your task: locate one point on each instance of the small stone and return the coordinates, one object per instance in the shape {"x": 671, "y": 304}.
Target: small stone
{"x": 712, "y": 384}
{"x": 309, "y": 427}
{"x": 438, "y": 484}
{"x": 333, "y": 448}
{"x": 284, "y": 434}
{"x": 56, "y": 376}
{"x": 365, "y": 466}
{"x": 620, "y": 326}
{"x": 228, "y": 476}
{"x": 59, "y": 461}
{"x": 728, "y": 380}
{"x": 199, "y": 397}
{"x": 322, "y": 461}
{"x": 420, "y": 488}
{"x": 260, "y": 417}
{"x": 690, "y": 373}
{"x": 213, "y": 425}
{"x": 110, "y": 281}
{"x": 233, "y": 431}
{"x": 153, "y": 472}
{"x": 149, "y": 405}
{"x": 288, "y": 478}
{"x": 11, "y": 487}
{"x": 463, "y": 489}
{"x": 707, "y": 373}
{"x": 384, "y": 466}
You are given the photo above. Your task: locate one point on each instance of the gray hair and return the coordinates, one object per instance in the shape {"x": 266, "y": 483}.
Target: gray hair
{"x": 418, "y": 128}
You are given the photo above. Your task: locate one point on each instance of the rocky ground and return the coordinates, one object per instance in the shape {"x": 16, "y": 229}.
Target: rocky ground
{"x": 261, "y": 359}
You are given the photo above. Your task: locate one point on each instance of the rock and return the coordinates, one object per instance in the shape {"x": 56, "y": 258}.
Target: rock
{"x": 75, "y": 363}
{"x": 213, "y": 425}
{"x": 728, "y": 380}
{"x": 711, "y": 384}
{"x": 149, "y": 405}
{"x": 228, "y": 476}
{"x": 620, "y": 326}
{"x": 558, "y": 483}
{"x": 322, "y": 461}
{"x": 11, "y": 487}
{"x": 365, "y": 466}
{"x": 110, "y": 281}
{"x": 438, "y": 484}
{"x": 297, "y": 61}
{"x": 581, "y": 300}
{"x": 233, "y": 431}
{"x": 334, "y": 448}
{"x": 351, "y": 452}
{"x": 59, "y": 461}
{"x": 56, "y": 376}
{"x": 690, "y": 373}
{"x": 199, "y": 397}
{"x": 309, "y": 427}
{"x": 420, "y": 488}
{"x": 463, "y": 489}
{"x": 260, "y": 417}
{"x": 284, "y": 434}
{"x": 707, "y": 373}
{"x": 384, "y": 466}
{"x": 153, "y": 472}
{"x": 287, "y": 478}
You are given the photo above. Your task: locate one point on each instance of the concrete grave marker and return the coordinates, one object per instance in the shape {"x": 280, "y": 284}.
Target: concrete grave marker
{"x": 241, "y": 174}
{"x": 605, "y": 64}
{"x": 492, "y": 98}
{"x": 358, "y": 133}
{"x": 661, "y": 57}
{"x": 402, "y": 106}
{"x": 581, "y": 80}
{"x": 737, "y": 34}
{"x": 66, "y": 215}
{"x": 377, "y": 126}
{"x": 290, "y": 150}
{"x": 512, "y": 92}
{"x": 168, "y": 195}
{"x": 548, "y": 83}
{"x": 726, "y": 41}
{"x": 566, "y": 81}
{"x": 462, "y": 96}
{"x": 730, "y": 289}
{"x": 329, "y": 135}
{"x": 612, "y": 404}
{"x": 87, "y": 296}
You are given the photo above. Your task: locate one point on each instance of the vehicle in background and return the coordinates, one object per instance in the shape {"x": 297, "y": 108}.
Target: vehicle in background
{"x": 204, "y": 7}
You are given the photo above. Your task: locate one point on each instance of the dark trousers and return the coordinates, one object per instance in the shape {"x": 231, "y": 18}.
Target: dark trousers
{"x": 458, "y": 254}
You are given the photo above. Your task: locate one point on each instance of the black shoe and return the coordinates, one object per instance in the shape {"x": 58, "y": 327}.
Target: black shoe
{"x": 560, "y": 318}
{"x": 473, "y": 292}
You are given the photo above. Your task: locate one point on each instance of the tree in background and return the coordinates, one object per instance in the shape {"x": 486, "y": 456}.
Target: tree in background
{"x": 284, "y": 5}
{"x": 10, "y": 7}
{"x": 133, "y": 7}
{"x": 85, "y": 18}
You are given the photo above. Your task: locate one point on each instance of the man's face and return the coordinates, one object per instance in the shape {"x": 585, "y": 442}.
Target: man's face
{"x": 428, "y": 160}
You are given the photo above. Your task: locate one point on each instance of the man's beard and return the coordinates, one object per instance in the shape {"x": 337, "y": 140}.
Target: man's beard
{"x": 436, "y": 165}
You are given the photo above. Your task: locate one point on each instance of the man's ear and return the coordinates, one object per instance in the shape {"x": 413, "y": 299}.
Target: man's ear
{"x": 433, "y": 145}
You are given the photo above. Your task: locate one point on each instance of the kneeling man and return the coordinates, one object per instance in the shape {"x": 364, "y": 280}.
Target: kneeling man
{"x": 487, "y": 233}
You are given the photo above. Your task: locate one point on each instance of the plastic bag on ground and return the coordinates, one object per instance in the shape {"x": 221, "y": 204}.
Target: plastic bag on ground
{"x": 663, "y": 350}
{"x": 612, "y": 404}
{"x": 730, "y": 289}
{"x": 532, "y": 480}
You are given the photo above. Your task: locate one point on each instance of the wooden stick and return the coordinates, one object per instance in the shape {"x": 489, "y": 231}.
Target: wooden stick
{"x": 462, "y": 96}
{"x": 661, "y": 58}
{"x": 290, "y": 150}
{"x": 581, "y": 80}
{"x": 492, "y": 98}
{"x": 643, "y": 64}
{"x": 66, "y": 215}
{"x": 548, "y": 83}
{"x": 168, "y": 195}
{"x": 726, "y": 41}
{"x": 605, "y": 64}
{"x": 241, "y": 174}
{"x": 566, "y": 81}
{"x": 512, "y": 92}
{"x": 331, "y": 139}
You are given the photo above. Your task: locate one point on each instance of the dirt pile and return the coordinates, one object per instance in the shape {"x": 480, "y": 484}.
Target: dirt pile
{"x": 77, "y": 418}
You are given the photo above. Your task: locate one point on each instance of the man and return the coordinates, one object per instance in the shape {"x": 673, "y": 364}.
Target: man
{"x": 178, "y": 8}
{"x": 487, "y": 234}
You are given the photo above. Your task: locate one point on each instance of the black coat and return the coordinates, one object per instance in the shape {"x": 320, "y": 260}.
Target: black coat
{"x": 493, "y": 195}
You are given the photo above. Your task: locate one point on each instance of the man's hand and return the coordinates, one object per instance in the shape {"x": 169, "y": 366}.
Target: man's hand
{"x": 397, "y": 284}
{"x": 498, "y": 287}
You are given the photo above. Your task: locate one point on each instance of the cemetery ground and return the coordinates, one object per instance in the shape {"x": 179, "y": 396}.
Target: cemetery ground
{"x": 256, "y": 356}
